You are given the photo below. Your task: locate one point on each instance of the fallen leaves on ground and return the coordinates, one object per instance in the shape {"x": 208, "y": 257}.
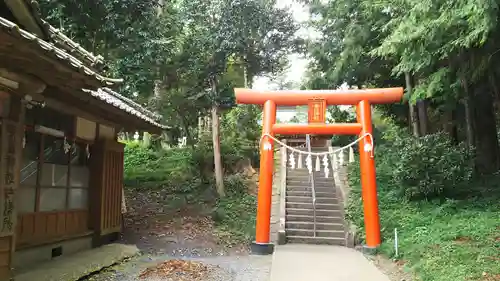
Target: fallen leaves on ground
{"x": 177, "y": 270}
{"x": 490, "y": 277}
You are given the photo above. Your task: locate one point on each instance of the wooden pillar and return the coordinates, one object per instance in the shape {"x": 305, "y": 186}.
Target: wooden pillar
{"x": 11, "y": 146}
{"x": 264, "y": 198}
{"x": 368, "y": 177}
{"x": 106, "y": 191}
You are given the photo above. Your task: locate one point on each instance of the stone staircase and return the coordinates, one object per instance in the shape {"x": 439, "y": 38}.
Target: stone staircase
{"x": 299, "y": 218}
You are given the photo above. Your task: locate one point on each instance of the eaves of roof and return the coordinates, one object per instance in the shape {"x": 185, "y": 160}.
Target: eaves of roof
{"x": 54, "y": 34}
{"x": 113, "y": 98}
{"x": 52, "y": 50}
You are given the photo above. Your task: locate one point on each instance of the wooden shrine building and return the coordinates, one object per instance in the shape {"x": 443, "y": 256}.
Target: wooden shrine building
{"x": 61, "y": 166}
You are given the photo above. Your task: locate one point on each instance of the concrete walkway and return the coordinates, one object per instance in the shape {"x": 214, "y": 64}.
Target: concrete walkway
{"x": 295, "y": 262}
{"x": 74, "y": 267}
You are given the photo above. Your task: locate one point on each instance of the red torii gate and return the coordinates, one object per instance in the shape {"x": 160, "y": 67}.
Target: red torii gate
{"x": 317, "y": 101}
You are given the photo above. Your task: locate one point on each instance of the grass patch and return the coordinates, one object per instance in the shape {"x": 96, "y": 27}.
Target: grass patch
{"x": 452, "y": 241}
{"x": 441, "y": 239}
{"x": 235, "y": 214}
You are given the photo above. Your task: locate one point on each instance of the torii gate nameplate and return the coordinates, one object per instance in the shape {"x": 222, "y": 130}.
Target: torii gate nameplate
{"x": 317, "y": 110}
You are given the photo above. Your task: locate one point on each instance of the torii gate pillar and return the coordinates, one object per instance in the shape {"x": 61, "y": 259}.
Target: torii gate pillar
{"x": 317, "y": 102}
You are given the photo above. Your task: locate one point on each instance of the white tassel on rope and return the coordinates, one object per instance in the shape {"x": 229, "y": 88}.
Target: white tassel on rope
{"x": 309, "y": 163}
{"x": 335, "y": 168}
{"x": 325, "y": 164}
{"x": 291, "y": 161}
{"x": 351, "y": 155}
{"x": 369, "y": 147}
{"x": 299, "y": 164}
{"x": 318, "y": 164}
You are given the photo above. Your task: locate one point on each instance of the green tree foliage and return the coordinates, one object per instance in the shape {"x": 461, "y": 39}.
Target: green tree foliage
{"x": 447, "y": 49}
{"x": 129, "y": 34}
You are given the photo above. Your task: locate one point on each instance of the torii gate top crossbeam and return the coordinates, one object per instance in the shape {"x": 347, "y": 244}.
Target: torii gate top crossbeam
{"x": 331, "y": 97}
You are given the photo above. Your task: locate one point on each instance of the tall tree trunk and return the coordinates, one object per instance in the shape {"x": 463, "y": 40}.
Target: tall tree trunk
{"x": 454, "y": 130}
{"x": 200, "y": 127}
{"x": 450, "y": 125}
{"x": 423, "y": 117}
{"x": 487, "y": 151}
{"x": 413, "y": 111}
{"x": 219, "y": 176}
{"x": 469, "y": 123}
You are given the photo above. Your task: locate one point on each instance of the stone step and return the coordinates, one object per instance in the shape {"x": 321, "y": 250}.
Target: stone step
{"x": 305, "y": 177}
{"x": 305, "y": 181}
{"x": 308, "y": 188}
{"x": 302, "y": 171}
{"x": 309, "y": 212}
{"x": 308, "y": 193}
{"x": 309, "y": 225}
{"x": 316, "y": 240}
{"x": 308, "y": 183}
{"x": 309, "y": 205}
{"x": 319, "y": 233}
{"x": 305, "y": 218}
{"x": 308, "y": 199}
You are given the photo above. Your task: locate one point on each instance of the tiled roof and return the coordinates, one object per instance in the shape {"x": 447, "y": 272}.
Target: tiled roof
{"x": 104, "y": 94}
{"x": 56, "y": 52}
{"x": 113, "y": 98}
{"x": 58, "y": 37}
{"x": 71, "y": 46}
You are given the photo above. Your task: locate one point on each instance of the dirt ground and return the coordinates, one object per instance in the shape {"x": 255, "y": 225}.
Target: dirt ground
{"x": 393, "y": 270}
{"x": 179, "y": 244}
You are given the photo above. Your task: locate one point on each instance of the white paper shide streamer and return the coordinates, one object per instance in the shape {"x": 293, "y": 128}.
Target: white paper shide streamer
{"x": 291, "y": 161}
{"x": 321, "y": 158}
{"x": 309, "y": 164}
{"x": 325, "y": 165}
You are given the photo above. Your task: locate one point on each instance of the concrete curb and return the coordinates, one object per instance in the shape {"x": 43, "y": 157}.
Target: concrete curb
{"x": 342, "y": 187}
{"x": 282, "y": 193}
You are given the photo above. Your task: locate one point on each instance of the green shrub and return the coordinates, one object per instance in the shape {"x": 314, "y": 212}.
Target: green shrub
{"x": 175, "y": 169}
{"x": 235, "y": 214}
{"x": 411, "y": 169}
{"x": 430, "y": 167}
{"x": 232, "y": 152}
